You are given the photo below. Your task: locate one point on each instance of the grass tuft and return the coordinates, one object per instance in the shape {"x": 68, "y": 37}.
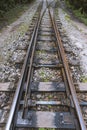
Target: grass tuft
{"x": 83, "y": 79}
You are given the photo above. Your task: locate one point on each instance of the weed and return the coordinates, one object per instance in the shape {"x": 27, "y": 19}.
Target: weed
{"x": 67, "y": 17}
{"x": 50, "y": 96}
{"x": 83, "y": 79}
{"x": 50, "y": 106}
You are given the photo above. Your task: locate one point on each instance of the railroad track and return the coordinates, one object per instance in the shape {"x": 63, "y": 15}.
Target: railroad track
{"x": 45, "y": 97}
{"x": 7, "y": 89}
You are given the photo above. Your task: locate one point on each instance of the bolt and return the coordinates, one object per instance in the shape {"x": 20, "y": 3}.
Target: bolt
{"x": 61, "y": 114}
{"x": 30, "y": 116}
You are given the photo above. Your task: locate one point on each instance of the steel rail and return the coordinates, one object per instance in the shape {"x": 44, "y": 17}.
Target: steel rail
{"x": 67, "y": 71}
{"x": 20, "y": 83}
{"x": 66, "y": 67}
{"x": 28, "y": 90}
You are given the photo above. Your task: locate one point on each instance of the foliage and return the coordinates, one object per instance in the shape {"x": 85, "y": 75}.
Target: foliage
{"x": 6, "y": 5}
{"x": 83, "y": 79}
{"x": 82, "y": 17}
{"x": 81, "y": 4}
{"x": 79, "y": 9}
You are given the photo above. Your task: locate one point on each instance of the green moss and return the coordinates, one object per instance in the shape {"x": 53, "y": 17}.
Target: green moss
{"x": 42, "y": 73}
{"x": 50, "y": 96}
{"x": 46, "y": 129}
{"x": 67, "y": 17}
{"x": 83, "y": 79}
{"x": 23, "y": 28}
{"x": 40, "y": 51}
{"x": 41, "y": 129}
{"x": 46, "y": 80}
{"x": 50, "y": 106}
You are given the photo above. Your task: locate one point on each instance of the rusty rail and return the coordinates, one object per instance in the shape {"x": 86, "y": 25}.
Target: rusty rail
{"x": 21, "y": 81}
{"x": 24, "y": 72}
{"x": 30, "y": 55}
{"x": 67, "y": 71}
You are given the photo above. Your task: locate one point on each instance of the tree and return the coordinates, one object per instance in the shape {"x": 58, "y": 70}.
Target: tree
{"x": 5, "y": 5}
{"x": 81, "y": 4}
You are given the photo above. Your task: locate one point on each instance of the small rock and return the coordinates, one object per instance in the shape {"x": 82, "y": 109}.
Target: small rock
{"x": 18, "y": 56}
{"x": 38, "y": 96}
{"x": 74, "y": 62}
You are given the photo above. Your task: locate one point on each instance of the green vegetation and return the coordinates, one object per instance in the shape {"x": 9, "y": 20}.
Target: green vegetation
{"x": 11, "y": 15}
{"x": 83, "y": 79}
{"x": 82, "y": 17}
{"x": 6, "y": 5}
{"x": 79, "y": 9}
{"x": 50, "y": 96}
{"x": 40, "y": 52}
{"x": 41, "y": 129}
{"x": 49, "y": 106}
{"x": 81, "y": 4}
{"x": 67, "y": 17}
{"x": 10, "y": 10}
{"x": 14, "y": 13}
{"x": 46, "y": 129}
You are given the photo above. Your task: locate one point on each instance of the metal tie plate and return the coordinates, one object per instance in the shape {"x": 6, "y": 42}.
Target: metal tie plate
{"x": 48, "y": 86}
{"x": 61, "y": 120}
